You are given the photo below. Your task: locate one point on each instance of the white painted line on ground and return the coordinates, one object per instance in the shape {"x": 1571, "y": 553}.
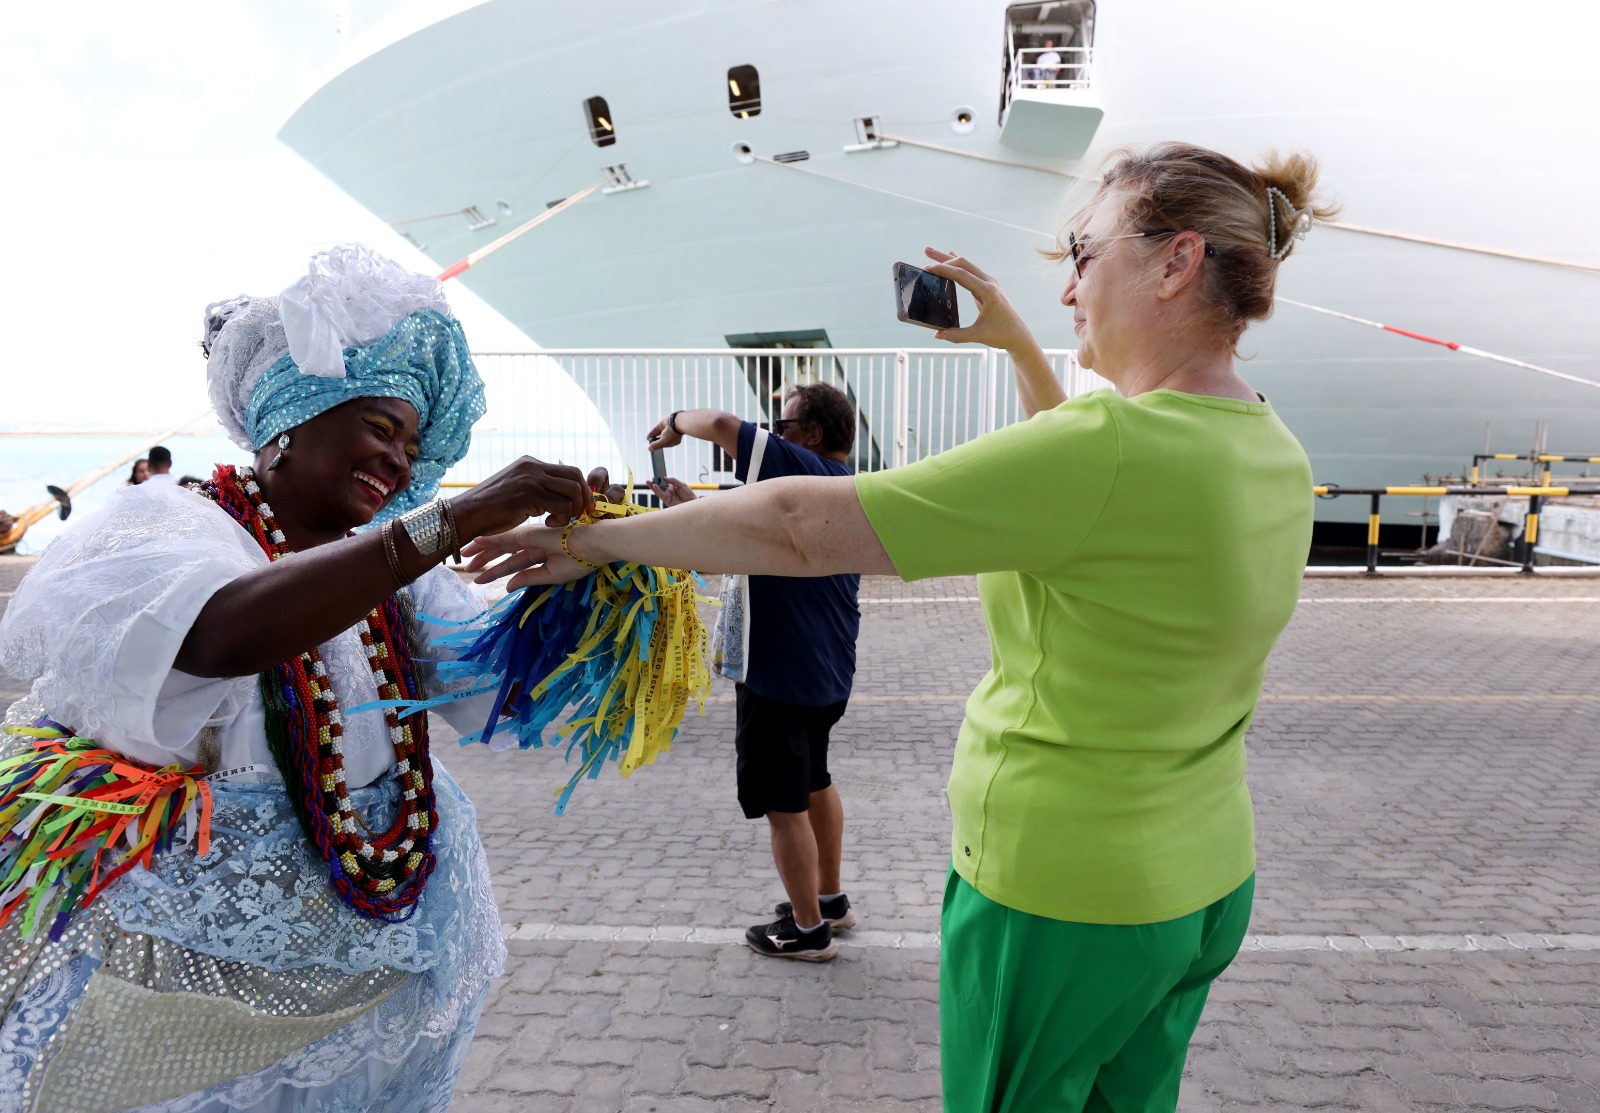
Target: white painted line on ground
{"x": 1408, "y": 697}
{"x": 5, "y": 594}
{"x": 923, "y": 599}
{"x": 1455, "y": 599}
{"x": 1488, "y": 599}
{"x": 1291, "y": 697}
{"x": 900, "y": 940}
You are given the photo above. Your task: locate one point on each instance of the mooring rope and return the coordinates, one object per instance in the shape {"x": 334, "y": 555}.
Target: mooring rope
{"x": 1452, "y": 345}
{"x": 472, "y": 259}
{"x": 1358, "y": 229}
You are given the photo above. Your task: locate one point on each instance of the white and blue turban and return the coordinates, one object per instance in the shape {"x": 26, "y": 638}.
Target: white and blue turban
{"x": 357, "y": 326}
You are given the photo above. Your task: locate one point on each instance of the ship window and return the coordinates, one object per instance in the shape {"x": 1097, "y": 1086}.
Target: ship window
{"x": 744, "y": 92}
{"x": 601, "y": 129}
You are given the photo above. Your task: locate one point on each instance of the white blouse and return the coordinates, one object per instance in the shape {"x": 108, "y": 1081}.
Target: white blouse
{"x": 97, "y": 623}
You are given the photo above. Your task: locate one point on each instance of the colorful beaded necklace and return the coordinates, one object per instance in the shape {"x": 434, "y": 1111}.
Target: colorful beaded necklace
{"x": 379, "y": 876}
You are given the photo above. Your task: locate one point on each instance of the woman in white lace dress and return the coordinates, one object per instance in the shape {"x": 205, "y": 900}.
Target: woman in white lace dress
{"x": 328, "y": 943}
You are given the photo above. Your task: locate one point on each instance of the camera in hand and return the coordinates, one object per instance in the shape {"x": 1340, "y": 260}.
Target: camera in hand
{"x": 924, "y": 299}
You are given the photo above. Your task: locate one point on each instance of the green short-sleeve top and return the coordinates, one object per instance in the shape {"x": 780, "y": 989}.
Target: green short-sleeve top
{"x": 1137, "y": 558}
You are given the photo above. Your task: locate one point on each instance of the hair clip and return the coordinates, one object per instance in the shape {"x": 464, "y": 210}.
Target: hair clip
{"x": 1299, "y": 223}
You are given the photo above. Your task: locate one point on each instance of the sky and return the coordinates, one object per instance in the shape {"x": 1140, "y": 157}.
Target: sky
{"x": 144, "y": 180}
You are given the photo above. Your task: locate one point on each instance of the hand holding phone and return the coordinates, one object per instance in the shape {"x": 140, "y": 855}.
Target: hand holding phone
{"x": 924, "y": 299}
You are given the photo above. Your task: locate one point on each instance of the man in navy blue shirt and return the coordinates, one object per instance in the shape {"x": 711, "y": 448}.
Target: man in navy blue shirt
{"x": 802, "y": 658}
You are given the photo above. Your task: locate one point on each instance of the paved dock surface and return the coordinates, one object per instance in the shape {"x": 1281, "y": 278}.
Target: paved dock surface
{"x": 1426, "y": 770}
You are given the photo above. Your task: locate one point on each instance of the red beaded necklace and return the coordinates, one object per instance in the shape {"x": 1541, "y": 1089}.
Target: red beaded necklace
{"x": 378, "y": 876}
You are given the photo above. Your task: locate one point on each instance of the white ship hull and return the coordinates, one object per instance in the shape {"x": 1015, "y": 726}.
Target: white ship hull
{"x": 485, "y": 107}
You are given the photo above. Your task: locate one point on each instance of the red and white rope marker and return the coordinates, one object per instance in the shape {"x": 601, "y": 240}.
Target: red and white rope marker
{"x": 1451, "y": 344}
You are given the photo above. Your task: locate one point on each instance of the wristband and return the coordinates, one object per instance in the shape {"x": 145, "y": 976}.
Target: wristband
{"x": 392, "y": 553}
{"x": 566, "y": 547}
{"x": 672, "y": 422}
{"x": 454, "y": 543}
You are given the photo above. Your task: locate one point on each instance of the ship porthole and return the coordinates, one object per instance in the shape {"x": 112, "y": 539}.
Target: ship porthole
{"x": 962, "y": 120}
{"x": 742, "y": 153}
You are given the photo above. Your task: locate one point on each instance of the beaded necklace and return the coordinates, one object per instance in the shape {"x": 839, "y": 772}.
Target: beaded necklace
{"x": 380, "y": 876}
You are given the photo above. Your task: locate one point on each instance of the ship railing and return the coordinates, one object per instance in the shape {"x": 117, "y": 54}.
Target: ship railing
{"x": 594, "y": 407}
{"x": 1074, "y": 71}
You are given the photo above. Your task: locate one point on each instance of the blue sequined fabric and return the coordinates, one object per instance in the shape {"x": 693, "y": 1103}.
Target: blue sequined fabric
{"x": 423, "y": 360}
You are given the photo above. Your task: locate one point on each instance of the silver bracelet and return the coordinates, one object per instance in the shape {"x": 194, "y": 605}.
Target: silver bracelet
{"x": 429, "y": 529}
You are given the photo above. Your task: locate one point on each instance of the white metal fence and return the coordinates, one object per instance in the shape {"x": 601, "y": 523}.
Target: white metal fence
{"x": 589, "y": 408}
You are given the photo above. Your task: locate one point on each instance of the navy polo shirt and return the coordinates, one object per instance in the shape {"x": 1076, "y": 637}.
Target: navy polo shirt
{"x": 802, "y": 629}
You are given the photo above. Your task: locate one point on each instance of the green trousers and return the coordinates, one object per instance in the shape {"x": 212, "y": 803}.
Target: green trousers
{"x": 1046, "y": 1016}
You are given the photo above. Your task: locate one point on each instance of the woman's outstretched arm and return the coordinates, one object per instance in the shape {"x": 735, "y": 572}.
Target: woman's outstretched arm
{"x": 796, "y": 526}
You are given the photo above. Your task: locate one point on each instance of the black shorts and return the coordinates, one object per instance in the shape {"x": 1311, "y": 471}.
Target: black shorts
{"x": 783, "y": 752}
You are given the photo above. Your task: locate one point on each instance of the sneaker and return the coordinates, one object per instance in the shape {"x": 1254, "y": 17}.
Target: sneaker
{"x": 783, "y": 939}
{"x": 836, "y": 911}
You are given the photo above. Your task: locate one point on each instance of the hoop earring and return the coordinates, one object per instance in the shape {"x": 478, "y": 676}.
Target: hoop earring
{"x": 283, "y": 451}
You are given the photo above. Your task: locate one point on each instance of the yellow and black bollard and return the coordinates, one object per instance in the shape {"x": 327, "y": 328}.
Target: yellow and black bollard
{"x": 1530, "y": 533}
{"x": 1372, "y": 536}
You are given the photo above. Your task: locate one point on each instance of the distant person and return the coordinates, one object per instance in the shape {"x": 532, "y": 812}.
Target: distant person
{"x": 798, "y": 673}
{"x": 161, "y": 466}
{"x": 1103, "y": 855}
{"x": 1046, "y": 65}
{"x": 140, "y": 472}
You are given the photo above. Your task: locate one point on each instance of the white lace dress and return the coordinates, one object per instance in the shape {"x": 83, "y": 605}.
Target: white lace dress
{"x": 237, "y": 980}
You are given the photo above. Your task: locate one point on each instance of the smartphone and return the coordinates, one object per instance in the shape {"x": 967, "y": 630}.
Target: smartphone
{"x": 658, "y": 465}
{"x": 924, "y": 299}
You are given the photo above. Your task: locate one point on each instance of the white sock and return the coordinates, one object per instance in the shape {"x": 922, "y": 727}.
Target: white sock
{"x": 829, "y": 896}
{"x": 814, "y": 927}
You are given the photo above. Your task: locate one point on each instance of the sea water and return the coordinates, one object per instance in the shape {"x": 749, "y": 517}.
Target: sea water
{"x": 28, "y": 462}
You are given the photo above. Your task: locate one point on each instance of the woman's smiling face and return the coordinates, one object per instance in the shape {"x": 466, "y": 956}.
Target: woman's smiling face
{"x": 345, "y": 465}
{"x": 1102, "y": 284}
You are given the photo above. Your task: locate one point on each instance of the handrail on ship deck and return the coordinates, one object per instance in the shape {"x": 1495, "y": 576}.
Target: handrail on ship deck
{"x": 1073, "y": 71}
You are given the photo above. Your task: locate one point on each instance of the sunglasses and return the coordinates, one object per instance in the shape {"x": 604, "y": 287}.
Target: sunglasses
{"x": 1080, "y": 251}
{"x": 777, "y": 424}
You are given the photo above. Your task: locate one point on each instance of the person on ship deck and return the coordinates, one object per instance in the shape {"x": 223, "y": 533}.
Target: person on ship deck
{"x": 1103, "y": 856}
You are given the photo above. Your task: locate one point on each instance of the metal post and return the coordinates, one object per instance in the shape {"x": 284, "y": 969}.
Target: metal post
{"x": 986, "y": 392}
{"x": 1372, "y": 536}
{"x": 902, "y": 406}
{"x": 1530, "y": 533}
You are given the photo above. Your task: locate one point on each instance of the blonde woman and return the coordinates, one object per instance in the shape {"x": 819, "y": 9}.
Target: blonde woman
{"x": 1103, "y": 856}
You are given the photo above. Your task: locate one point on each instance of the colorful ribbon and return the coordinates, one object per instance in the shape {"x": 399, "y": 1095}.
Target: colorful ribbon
{"x": 66, "y": 804}
{"x": 624, "y": 649}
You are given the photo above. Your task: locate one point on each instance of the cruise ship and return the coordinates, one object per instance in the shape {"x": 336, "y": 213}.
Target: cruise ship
{"x": 745, "y": 172}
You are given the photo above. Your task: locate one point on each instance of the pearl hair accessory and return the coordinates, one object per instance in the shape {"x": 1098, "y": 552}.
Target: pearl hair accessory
{"x": 283, "y": 450}
{"x": 1299, "y": 223}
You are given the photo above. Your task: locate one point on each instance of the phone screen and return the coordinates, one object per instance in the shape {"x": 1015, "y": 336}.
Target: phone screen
{"x": 924, "y": 299}
{"x": 658, "y": 465}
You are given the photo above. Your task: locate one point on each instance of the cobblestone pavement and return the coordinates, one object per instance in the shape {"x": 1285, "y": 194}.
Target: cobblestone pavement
{"x": 1426, "y": 933}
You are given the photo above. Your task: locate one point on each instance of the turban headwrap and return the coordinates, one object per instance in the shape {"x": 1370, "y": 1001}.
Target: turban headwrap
{"x": 357, "y": 326}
